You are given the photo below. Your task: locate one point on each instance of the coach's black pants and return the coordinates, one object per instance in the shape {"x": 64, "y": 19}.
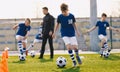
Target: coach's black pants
{"x": 50, "y": 39}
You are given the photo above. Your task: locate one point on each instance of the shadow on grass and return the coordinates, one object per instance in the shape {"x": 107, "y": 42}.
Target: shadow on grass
{"x": 19, "y": 62}
{"x": 113, "y": 57}
{"x": 76, "y": 69}
{"x": 46, "y": 60}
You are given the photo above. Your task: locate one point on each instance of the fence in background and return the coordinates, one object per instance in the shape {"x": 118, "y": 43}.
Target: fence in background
{"x": 7, "y": 35}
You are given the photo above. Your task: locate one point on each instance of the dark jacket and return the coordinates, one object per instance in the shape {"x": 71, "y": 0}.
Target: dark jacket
{"x": 48, "y": 24}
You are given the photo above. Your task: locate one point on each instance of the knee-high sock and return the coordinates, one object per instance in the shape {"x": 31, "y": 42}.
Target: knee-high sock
{"x": 77, "y": 56}
{"x": 105, "y": 45}
{"x": 77, "y": 52}
{"x": 20, "y": 47}
{"x": 71, "y": 55}
{"x": 24, "y": 49}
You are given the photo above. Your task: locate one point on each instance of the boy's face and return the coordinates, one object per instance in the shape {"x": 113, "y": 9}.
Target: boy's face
{"x": 27, "y": 23}
{"x": 65, "y": 13}
{"x": 103, "y": 18}
{"x": 45, "y": 11}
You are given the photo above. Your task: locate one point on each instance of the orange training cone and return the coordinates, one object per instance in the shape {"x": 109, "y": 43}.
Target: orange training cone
{"x": 6, "y": 51}
{"x": 1, "y": 70}
{"x": 4, "y": 63}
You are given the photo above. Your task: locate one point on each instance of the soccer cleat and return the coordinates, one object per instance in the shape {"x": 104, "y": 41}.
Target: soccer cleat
{"x": 79, "y": 60}
{"x": 101, "y": 55}
{"x": 109, "y": 50}
{"x": 74, "y": 64}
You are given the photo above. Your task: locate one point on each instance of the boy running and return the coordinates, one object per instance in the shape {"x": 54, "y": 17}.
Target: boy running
{"x": 68, "y": 27}
{"x": 22, "y": 34}
{"x": 102, "y": 26}
{"x": 38, "y": 38}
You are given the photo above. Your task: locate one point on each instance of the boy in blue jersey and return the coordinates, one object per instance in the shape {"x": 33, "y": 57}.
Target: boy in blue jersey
{"x": 102, "y": 26}
{"x": 38, "y": 38}
{"x": 22, "y": 34}
{"x": 68, "y": 27}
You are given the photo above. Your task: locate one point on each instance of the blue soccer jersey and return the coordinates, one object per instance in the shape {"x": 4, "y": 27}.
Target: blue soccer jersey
{"x": 102, "y": 25}
{"x": 39, "y": 35}
{"x": 66, "y": 22}
{"x": 40, "y": 30}
{"x": 22, "y": 30}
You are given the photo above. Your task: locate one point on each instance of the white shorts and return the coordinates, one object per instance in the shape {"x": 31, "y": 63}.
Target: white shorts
{"x": 21, "y": 37}
{"x": 70, "y": 40}
{"x": 37, "y": 40}
{"x": 102, "y": 37}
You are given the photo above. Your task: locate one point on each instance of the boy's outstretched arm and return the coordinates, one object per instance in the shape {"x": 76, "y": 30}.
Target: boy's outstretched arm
{"x": 114, "y": 29}
{"x": 91, "y": 29}
{"x": 76, "y": 29}
{"x": 56, "y": 28}
{"x": 15, "y": 26}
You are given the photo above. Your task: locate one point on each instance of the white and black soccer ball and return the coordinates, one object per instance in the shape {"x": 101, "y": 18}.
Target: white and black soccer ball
{"x": 22, "y": 57}
{"x": 106, "y": 54}
{"x": 61, "y": 62}
{"x": 32, "y": 53}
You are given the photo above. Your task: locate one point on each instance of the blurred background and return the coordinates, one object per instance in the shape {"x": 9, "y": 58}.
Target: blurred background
{"x": 15, "y": 11}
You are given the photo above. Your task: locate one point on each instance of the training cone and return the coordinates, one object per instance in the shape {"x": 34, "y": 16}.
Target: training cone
{"x": 4, "y": 63}
{"x": 6, "y": 51}
{"x": 1, "y": 70}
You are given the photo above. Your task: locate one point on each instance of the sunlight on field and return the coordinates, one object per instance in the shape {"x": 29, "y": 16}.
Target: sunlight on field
{"x": 91, "y": 63}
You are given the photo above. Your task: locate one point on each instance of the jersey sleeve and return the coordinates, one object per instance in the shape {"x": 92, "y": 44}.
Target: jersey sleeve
{"x": 20, "y": 24}
{"x": 97, "y": 24}
{"x": 74, "y": 20}
{"x": 58, "y": 19}
{"x": 108, "y": 24}
{"x": 29, "y": 28}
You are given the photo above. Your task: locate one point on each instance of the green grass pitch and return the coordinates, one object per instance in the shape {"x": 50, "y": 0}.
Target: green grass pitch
{"x": 91, "y": 63}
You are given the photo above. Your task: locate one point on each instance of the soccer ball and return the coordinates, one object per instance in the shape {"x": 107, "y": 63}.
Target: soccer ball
{"x": 106, "y": 54}
{"x": 32, "y": 53}
{"x": 61, "y": 62}
{"x": 22, "y": 57}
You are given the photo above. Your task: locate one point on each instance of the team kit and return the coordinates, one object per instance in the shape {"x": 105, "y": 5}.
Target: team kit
{"x": 68, "y": 30}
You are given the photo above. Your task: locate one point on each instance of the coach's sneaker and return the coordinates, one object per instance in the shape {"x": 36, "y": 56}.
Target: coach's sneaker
{"x": 79, "y": 60}
{"x": 74, "y": 64}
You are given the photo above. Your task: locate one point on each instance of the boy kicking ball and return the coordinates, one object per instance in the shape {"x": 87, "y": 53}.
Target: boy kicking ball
{"x": 68, "y": 28}
{"x": 22, "y": 34}
{"x": 38, "y": 38}
{"x": 102, "y": 26}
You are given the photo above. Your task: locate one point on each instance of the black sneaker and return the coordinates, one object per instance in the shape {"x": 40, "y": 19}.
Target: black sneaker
{"x": 40, "y": 57}
{"x": 74, "y": 64}
{"x": 101, "y": 55}
{"x": 109, "y": 50}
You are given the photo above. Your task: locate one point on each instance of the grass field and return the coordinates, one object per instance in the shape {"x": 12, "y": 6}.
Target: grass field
{"x": 91, "y": 63}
